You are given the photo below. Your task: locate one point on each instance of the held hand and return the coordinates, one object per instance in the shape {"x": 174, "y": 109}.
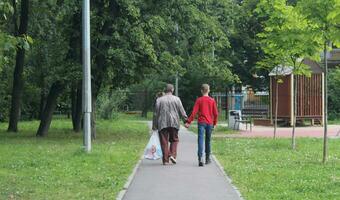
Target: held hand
{"x": 186, "y": 125}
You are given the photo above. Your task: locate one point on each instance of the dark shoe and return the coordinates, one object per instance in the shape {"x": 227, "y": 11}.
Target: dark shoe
{"x": 173, "y": 160}
{"x": 207, "y": 160}
{"x": 200, "y": 162}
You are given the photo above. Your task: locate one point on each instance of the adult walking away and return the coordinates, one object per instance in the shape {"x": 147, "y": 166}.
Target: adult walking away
{"x": 168, "y": 111}
{"x": 206, "y": 108}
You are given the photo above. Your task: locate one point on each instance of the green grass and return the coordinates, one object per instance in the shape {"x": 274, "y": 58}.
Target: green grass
{"x": 135, "y": 116}
{"x": 56, "y": 167}
{"x": 334, "y": 122}
{"x": 219, "y": 130}
{"x": 269, "y": 169}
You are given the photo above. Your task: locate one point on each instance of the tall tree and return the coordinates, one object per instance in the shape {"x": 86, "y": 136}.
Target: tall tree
{"x": 324, "y": 19}
{"x": 18, "y": 81}
{"x": 246, "y": 48}
{"x": 193, "y": 41}
{"x": 285, "y": 36}
{"x": 61, "y": 57}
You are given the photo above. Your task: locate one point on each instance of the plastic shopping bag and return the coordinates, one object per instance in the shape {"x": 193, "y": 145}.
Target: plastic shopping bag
{"x": 153, "y": 150}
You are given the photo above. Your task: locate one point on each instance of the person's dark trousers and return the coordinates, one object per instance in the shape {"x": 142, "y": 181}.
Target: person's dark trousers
{"x": 167, "y": 135}
{"x": 207, "y": 129}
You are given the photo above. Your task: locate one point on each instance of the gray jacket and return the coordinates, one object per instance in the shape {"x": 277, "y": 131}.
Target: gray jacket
{"x": 167, "y": 113}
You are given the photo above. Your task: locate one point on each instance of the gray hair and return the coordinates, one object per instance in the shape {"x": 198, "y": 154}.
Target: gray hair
{"x": 169, "y": 88}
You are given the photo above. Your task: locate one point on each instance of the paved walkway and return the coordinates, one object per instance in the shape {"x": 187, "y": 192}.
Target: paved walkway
{"x": 183, "y": 181}
{"x": 286, "y": 132}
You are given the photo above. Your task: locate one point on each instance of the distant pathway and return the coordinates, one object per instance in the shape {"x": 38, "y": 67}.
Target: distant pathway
{"x": 286, "y": 132}
{"x": 183, "y": 181}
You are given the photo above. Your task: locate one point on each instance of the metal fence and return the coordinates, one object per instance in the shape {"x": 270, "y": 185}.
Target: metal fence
{"x": 255, "y": 104}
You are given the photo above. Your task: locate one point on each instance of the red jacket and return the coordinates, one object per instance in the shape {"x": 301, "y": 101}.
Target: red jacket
{"x": 206, "y": 108}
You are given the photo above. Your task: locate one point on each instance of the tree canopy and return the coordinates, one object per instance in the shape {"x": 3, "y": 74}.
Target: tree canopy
{"x": 139, "y": 45}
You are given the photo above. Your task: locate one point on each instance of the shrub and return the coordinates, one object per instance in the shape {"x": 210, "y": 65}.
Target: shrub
{"x": 333, "y": 93}
{"x": 109, "y": 101}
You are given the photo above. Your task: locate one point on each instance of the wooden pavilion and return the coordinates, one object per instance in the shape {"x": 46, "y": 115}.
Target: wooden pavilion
{"x": 309, "y": 94}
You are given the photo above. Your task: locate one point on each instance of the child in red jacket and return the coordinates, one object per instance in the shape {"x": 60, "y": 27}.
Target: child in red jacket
{"x": 206, "y": 108}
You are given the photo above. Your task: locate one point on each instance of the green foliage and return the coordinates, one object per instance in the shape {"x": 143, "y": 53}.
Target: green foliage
{"x": 246, "y": 50}
{"x": 268, "y": 169}
{"x": 5, "y": 9}
{"x": 7, "y": 45}
{"x": 134, "y": 42}
{"x": 57, "y": 167}
{"x": 142, "y": 96}
{"x": 219, "y": 130}
{"x": 10, "y": 42}
{"x": 109, "y": 102}
{"x": 324, "y": 25}
{"x": 130, "y": 40}
{"x": 203, "y": 30}
{"x": 5, "y": 98}
{"x": 286, "y": 38}
{"x": 333, "y": 94}
{"x": 7, "y": 42}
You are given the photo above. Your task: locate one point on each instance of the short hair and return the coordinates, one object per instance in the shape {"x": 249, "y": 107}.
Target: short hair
{"x": 169, "y": 88}
{"x": 205, "y": 88}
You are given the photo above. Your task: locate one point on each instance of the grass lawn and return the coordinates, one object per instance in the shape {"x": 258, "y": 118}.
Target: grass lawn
{"x": 219, "y": 130}
{"x": 269, "y": 169}
{"x": 334, "y": 121}
{"x": 56, "y": 167}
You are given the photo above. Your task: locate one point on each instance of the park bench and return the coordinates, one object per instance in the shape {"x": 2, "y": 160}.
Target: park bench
{"x": 248, "y": 114}
{"x": 243, "y": 119}
{"x": 255, "y": 113}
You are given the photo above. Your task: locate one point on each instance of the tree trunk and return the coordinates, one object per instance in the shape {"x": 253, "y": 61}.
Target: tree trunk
{"x": 42, "y": 104}
{"x": 93, "y": 118}
{"x": 295, "y": 109}
{"x": 100, "y": 65}
{"x": 145, "y": 106}
{"x": 325, "y": 140}
{"x": 98, "y": 75}
{"x": 73, "y": 101}
{"x": 276, "y": 106}
{"x": 51, "y": 102}
{"x": 42, "y": 95}
{"x": 76, "y": 107}
{"x": 18, "y": 70}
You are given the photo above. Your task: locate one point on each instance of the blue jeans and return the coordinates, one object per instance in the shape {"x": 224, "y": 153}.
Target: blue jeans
{"x": 202, "y": 127}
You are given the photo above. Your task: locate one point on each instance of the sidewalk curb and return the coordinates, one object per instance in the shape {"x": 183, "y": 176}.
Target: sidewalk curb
{"x": 128, "y": 182}
{"x": 122, "y": 193}
{"x": 220, "y": 167}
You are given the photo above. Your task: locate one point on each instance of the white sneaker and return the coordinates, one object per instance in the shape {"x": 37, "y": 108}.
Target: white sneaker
{"x": 173, "y": 160}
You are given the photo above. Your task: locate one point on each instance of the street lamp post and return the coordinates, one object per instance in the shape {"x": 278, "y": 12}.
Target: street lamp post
{"x": 87, "y": 105}
{"x": 176, "y": 81}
